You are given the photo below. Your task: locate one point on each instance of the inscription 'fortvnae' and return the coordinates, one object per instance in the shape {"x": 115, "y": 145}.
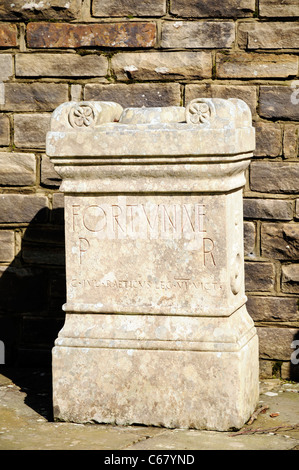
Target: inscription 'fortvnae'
{"x": 124, "y": 220}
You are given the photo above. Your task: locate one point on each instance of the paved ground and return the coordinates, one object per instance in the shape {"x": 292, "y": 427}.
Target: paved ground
{"x": 26, "y": 423}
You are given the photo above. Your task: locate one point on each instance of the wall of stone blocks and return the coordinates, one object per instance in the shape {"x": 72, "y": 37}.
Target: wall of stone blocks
{"x": 151, "y": 53}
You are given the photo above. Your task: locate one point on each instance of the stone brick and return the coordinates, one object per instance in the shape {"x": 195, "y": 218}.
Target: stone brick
{"x": 128, "y": 8}
{"x": 243, "y": 92}
{"x": 202, "y": 34}
{"x": 7, "y": 245}
{"x": 272, "y": 35}
{"x": 57, "y": 213}
{"x": 275, "y": 343}
{"x": 290, "y": 371}
{"x": 136, "y": 94}
{"x": 162, "y": 65}
{"x": 290, "y": 141}
{"x": 259, "y": 277}
{"x": 268, "y": 209}
{"x": 290, "y": 278}
{"x": 6, "y": 66}
{"x": 254, "y": 65}
{"x": 277, "y": 102}
{"x": 212, "y": 8}
{"x": 8, "y": 35}
{"x": 30, "y": 130}
{"x": 280, "y": 241}
{"x": 46, "y": 9}
{"x": 64, "y": 35}
{"x": 268, "y": 139}
{"x": 297, "y": 209}
{"x": 19, "y": 208}
{"x": 34, "y": 96}
{"x": 274, "y": 177}
{"x": 49, "y": 177}
{"x": 17, "y": 169}
{"x": 274, "y": 8}
{"x": 61, "y": 65}
{"x": 4, "y": 130}
{"x": 23, "y": 289}
{"x": 249, "y": 238}
{"x": 262, "y": 308}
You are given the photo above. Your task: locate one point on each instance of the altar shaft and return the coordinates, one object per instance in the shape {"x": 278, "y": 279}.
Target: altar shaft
{"x": 156, "y": 329}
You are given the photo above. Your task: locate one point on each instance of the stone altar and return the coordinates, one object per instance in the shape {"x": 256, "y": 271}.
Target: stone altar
{"x": 156, "y": 329}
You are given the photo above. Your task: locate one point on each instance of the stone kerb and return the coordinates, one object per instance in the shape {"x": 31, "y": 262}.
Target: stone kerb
{"x": 155, "y": 265}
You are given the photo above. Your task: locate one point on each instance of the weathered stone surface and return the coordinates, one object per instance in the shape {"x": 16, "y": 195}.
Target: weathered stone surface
{"x": 31, "y": 129}
{"x": 7, "y": 245}
{"x": 49, "y": 177}
{"x": 17, "y": 169}
{"x": 41, "y": 254}
{"x": 135, "y": 94}
{"x": 273, "y": 8}
{"x": 34, "y": 96}
{"x": 6, "y": 66}
{"x": 280, "y": 241}
{"x": 253, "y": 65}
{"x": 259, "y": 277}
{"x": 290, "y": 141}
{"x": 290, "y": 278}
{"x": 190, "y": 34}
{"x": 46, "y": 9}
{"x": 272, "y": 35}
{"x": 128, "y": 7}
{"x": 297, "y": 209}
{"x": 246, "y": 93}
{"x": 8, "y": 35}
{"x": 277, "y": 102}
{"x": 57, "y": 213}
{"x": 275, "y": 343}
{"x": 19, "y": 208}
{"x": 268, "y": 209}
{"x": 61, "y": 65}
{"x": 142, "y": 189}
{"x": 281, "y": 309}
{"x": 274, "y": 177}
{"x": 268, "y": 139}
{"x": 4, "y": 130}
{"x": 249, "y": 238}
{"x": 65, "y": 35}
{"x": 162, "y": 65}
{"x": 212, "y": 8}
{"x": 17, "y": 286}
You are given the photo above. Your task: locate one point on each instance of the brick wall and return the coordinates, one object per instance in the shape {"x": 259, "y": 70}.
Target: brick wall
{"x": 150, "y": 53}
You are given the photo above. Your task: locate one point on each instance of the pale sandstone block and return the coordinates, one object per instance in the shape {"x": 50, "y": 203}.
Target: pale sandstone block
{"x": 4, "y": 130}
{"x": 212, "y": 8}
{"x": 30, "y": 130}
{"x": 22, "y": 208}
{"x": 290, "y": 278}
{"x": 252, "y": 65}
{"x": 271, "y": 35}
{"x": 273, "y": 8}
{"x": 17, "y": 169}
{"x": 47, "y": 9}
{"x": 107, "y": 8}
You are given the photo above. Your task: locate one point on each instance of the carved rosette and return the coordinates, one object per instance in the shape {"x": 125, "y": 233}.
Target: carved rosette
{"x": 199, "y": 111}
{"x": 81, "y": 116}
